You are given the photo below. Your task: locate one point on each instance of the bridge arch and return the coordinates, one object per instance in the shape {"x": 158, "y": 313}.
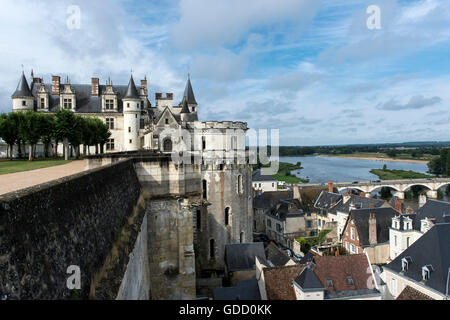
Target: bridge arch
{"x": 350, "y": 188}
{"x": 417, "y": 184}
{"x": 443, "y": 184}
{"x": 384, "y": 186}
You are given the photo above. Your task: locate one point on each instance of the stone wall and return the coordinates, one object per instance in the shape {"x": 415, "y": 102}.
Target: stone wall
{"x": 89, "y": 219}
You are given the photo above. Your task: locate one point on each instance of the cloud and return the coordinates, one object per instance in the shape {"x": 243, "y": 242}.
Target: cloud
{"x": 293, "y": 81}
{"x": 226, "y": 22}
{"x": 416, "y": 102}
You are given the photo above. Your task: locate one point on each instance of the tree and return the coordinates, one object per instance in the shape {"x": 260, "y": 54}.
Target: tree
{"x": 447, "y": 163}
{"x": 385, "y": 193}
{"x": 435, "y": 166}
{"x": 47, "y": 130}
{"x": 444, "y": 153}
{"x": 391, "y": 153}
{"x": 9, "y": 131}
{"x": 32, "y": 131}
{"x": 64, "y": 124}
{"x": 102, "y": 133}
{"x": 384, "y": 167}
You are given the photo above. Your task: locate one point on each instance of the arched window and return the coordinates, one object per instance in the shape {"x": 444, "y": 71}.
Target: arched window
{"x": 227, "y": 216}
{"x": 167, "y": 144}
{"x": 212, "y": 250}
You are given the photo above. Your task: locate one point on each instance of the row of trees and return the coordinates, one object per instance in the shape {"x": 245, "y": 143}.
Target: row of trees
{"x": 441, "y": 165}
{"x": 20, "y": 128}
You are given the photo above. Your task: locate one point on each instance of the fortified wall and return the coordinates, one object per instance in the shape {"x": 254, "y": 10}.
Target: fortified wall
{"x": 82, "y": 220}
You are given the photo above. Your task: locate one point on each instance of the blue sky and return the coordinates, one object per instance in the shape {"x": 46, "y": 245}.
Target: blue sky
{"x": 310, "y": 68}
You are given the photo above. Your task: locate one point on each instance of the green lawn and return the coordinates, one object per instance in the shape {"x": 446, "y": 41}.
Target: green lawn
{"x": 398, "y": 174}
{"x": 8, "y": 166}
{"x": 284, "y": 169}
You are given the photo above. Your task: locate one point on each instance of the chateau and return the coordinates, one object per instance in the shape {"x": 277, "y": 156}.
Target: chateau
{"x": 221, "y": 169}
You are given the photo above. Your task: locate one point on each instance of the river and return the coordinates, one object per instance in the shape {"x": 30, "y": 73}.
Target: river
{"x": 323, "y": 169}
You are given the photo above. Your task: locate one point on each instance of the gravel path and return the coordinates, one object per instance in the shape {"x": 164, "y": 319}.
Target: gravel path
{"x": 20, "y": 180}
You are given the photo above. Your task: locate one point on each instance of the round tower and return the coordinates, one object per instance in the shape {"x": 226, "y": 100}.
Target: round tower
{"x": 131, "y": 117}
{"x": 22, "y": 98}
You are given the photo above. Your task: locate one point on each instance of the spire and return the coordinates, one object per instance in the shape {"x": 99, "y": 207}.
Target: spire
{"x": 23, "y": 90}
{"x": 185, "y": 108}
{"x": 189, "y": 93}
{"x": 131, "y": 91}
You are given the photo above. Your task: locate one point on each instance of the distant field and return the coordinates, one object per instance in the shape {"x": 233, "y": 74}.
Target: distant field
{"x": 8, "y": 166}
{"x": 380, "y": 155}
{"x": 398, "y": 174}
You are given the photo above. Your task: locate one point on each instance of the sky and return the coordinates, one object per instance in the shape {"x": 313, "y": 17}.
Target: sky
{"x": 311, "y": 68}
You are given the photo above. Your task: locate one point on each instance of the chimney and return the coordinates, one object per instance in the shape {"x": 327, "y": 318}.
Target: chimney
{"x": 144, "y": 86}
{"x": 95, "y": 83}
{"x": 372, "y": 229}
{"x": 169, "y": 96}
{"x": 398, "y": 205}
{"x": 56, "y": 83}
{"x": 37, "y": 80}
{"x": 330, "y": 186}
{"x": 158, "y": 95}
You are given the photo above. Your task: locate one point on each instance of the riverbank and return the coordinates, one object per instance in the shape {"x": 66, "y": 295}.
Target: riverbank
{"x": 398, "y": 174}
{"x": 373, "y": 158}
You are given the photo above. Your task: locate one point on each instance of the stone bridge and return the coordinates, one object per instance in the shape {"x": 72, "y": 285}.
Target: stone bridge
{"x": 399, "y": 186}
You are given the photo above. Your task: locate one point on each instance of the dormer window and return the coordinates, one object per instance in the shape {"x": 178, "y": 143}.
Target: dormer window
{"x": 426, "y": 272}
{"x": 42, "y": 105}
{"x": 395, "y": 223}
{"x": 350, "y": 281}
{"x": 405, "y": 263}
{"x": 329, "y": 283}
{"x": 193, "y": 109}
{"x": 109, "y": 104}
{"x": 407, "y": 225}
{"x": 67, "y": 104}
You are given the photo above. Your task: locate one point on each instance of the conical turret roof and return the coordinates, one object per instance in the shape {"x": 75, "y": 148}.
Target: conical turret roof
{"x": 132, "y": 92}
{"x": 189, "y": 93}
{"x": 185, "y": 108}
{"x": 23, "y": 90}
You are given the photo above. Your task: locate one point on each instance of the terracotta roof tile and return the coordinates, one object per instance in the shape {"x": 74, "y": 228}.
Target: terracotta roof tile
{"x": 278, "y": 281}
{"x": 412, "y": 294}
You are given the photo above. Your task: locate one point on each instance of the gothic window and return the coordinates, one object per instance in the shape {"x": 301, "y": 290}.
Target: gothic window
{"x": 167, "y": 145}
{"x": 227, "y": 216}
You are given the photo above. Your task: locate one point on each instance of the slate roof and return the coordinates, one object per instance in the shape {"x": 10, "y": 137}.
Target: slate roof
{"x": 326, "y": 199}
{"x": 185, "y": 108}
{"x": 286, "y": 209}
{"x": 308, "y": 257}
{"x": 359, "y": 202}
{"x": 276, "y": 256}
{"x": 410, "y": 293}
{"x": 432, "y": 209}
{"x": 244, "y": 290}
{"x": 384, "y": 221}
{"x": 22, "y": 90}
{"x": 430, "y": 249}
{"x": 86, "y": 103}
{"x": 241, "y": 256}
{"x": 338, "y": 269}
{"x": 189, "y": 93}
{"x": 269, "y": 199}
{"x": 307, "y": 279}
{"x": 132, "y": 92}
{"x": 258, "y": 177}
{"x": 278, "y": 281}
